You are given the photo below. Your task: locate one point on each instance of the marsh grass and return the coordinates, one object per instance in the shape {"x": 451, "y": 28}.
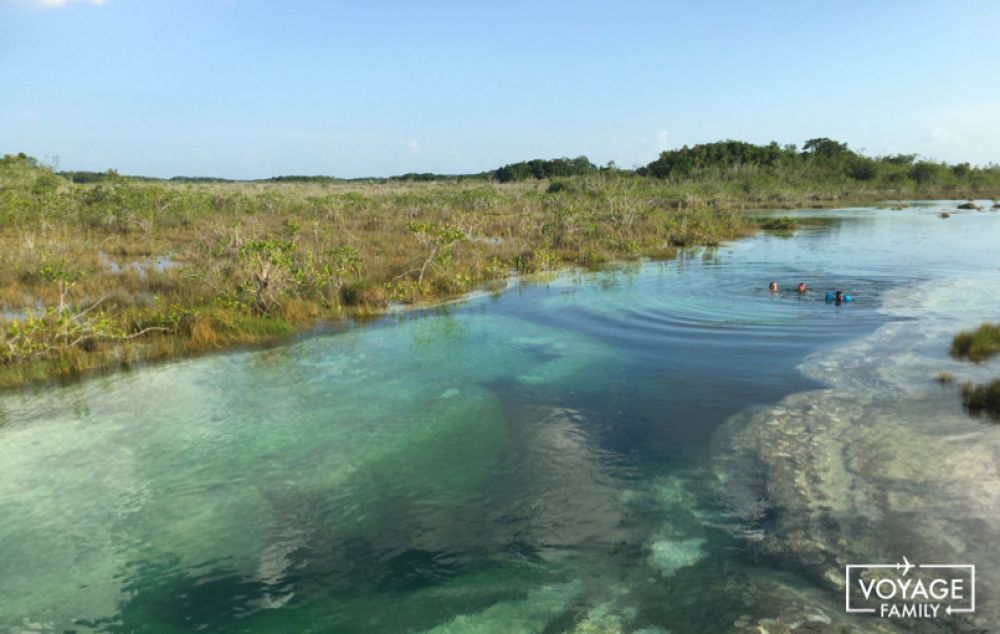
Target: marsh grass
{"x": 977, "y": 345}
{"x": 151, "y": 270}
{"x": 783, "y": 223}
{"x": 982, "y": 400}
{"x": 122, "y": 271}
{"x": 944, "y": 378}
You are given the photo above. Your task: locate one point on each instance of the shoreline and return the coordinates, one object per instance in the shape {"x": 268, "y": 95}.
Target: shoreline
{"x": 330, "y": 325}
{"x": 250, "y": 332}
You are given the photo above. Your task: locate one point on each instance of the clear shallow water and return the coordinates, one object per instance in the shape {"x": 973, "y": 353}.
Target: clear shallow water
{"x": 555, "y": 458}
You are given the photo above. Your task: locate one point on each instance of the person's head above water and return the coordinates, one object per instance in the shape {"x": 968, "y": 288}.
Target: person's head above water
{"x": 839, "y": 295}
{"x": 773, "y": 286}
{"x": 802, "y": 287}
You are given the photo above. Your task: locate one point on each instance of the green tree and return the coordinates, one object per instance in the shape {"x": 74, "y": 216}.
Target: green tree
{"x": 822, "y": 146}
{"x": 440, "y": 239}
{"x": 924, "y": 172}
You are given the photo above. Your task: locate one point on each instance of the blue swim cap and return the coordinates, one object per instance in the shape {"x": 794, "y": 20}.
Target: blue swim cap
{"x": 829, "y": 296}
{"x": 848, "y": 298}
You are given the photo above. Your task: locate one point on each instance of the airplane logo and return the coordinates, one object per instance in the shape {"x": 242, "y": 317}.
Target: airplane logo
{"x": 905, "y": 566}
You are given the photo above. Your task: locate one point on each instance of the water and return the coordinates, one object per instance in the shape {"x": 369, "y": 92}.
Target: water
{"x": 619, "y": 450}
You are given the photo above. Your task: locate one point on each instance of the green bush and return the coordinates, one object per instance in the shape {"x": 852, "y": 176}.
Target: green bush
{"x": 539, "y": 168}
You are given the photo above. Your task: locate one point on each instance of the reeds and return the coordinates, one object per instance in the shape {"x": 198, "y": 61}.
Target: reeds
{"x": 982, "y": 400}
{"x": 977, "y": 345}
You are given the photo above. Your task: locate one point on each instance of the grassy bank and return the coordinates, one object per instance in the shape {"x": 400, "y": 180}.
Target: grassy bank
{"x": 107, "y": 274}
{"x": 119, "y": 270}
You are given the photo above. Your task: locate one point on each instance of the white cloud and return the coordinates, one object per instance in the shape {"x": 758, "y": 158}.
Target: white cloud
{"x": 414, "y": 146}
{"x": 661, "y": 139}
{"x": 942, "y": 135}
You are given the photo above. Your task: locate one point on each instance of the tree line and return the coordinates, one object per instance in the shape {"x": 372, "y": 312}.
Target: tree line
{"x": 819, "y": 157}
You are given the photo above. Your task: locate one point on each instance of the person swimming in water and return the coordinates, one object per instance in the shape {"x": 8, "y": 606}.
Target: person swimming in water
{"x": 838, "y": 298}
{"x": 802, "y": 287}
{"x": 773, "y": 287}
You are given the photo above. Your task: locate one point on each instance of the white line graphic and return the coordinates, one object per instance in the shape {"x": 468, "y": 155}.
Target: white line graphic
{"x": 905, "y": 566}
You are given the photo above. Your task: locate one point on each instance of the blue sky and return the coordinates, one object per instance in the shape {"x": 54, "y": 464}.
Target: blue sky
{"x": 243, "y": 88}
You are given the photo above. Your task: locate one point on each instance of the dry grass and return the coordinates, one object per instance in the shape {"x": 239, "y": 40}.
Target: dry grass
{"x": 149, "y": 270}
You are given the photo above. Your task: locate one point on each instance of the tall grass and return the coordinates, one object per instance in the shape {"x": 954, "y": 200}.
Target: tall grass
{"x": 982, "y": 400}
{"x": 111, "y": 273}
{"x": 977, "y": 345}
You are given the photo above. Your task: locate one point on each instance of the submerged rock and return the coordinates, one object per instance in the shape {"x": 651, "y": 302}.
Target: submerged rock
{"x": 875, "y": 468}
{"x": 530, "y": 614}
{"x": 669, "y": 556}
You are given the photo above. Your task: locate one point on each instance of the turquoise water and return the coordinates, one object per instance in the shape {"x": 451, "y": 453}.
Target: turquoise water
{"x": 587, "y": 453}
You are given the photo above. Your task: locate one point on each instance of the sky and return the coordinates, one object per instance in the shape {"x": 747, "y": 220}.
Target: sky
{"x": 258, "y": 88}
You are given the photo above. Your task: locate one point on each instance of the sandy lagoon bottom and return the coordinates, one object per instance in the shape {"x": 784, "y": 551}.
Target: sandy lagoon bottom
{"x": 660, "y": 447}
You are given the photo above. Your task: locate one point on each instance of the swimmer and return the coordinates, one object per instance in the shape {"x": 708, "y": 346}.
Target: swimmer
{"x": 773, "y": 287}
{"x": 802, "y": 287}
{"x": 840, "y": 298}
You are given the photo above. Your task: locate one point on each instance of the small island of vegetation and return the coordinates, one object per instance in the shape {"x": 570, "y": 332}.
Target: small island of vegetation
{"x": 979, "y": 345}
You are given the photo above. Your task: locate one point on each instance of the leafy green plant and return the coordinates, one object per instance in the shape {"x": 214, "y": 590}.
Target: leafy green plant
{"x": 266, "y": 271}
{"x": 440, "y": 239}
{"x": 64, "y": 277}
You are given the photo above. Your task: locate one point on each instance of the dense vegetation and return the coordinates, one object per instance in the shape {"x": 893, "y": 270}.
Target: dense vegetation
{"x": 107, "y": 273}
{"x": 822, "y": 161}
{"x": 823, "y": 168}
{"x": 101, "y": 270}
{"x": 539, "y": 169}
